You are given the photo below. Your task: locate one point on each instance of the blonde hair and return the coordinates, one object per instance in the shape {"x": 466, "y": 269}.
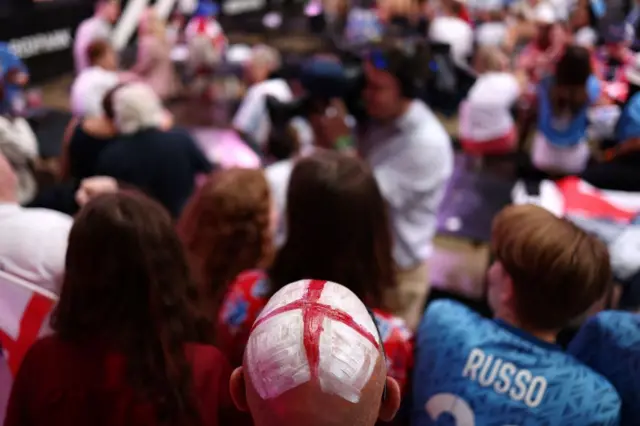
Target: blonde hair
{"x": 136, "y": 107}
{"x": 558, "y": 270}
{"x": 265, "y": 55}
{"x": 150, "y": 23}
{"x": 491, "y": 59}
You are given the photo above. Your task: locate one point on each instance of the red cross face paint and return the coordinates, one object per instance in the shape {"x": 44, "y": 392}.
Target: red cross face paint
{"x": 313, "y": 330}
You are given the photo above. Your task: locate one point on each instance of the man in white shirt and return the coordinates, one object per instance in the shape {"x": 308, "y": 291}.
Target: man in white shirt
{"x": 34, "y": 241}
{"x": 98, "y": 27}
{"x": 449, "y": 28}
{"x": 252, "y": 120}
{"x": 93, "y": 83}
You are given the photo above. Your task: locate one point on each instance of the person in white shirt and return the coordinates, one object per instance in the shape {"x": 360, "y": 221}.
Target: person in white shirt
{"x": 252, "y": 120}
{"x": 98, "y": 27}
{"x": 449, "y": 28}
{"x": 486, "y": 121}
{"x": 93, "y": 83}
{"x": 34, "y": 241}
{"x": 493, "y": 30}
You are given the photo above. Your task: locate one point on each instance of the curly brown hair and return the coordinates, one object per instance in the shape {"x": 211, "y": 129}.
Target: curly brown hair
{"x": 226, "y": 229}
{"x": 127, "y": 283}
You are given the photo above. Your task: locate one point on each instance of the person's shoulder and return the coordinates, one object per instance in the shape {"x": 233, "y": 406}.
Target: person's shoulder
{"x": 617, "y": 327}
{"x": 247, "y": 294}
{"x": 47, "y": 218}
{"x": 279, "y": 172}
{"x": 446, "y": 316}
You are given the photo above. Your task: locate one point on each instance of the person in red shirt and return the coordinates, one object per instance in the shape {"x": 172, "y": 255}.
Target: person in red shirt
{"x": 338, "y": 230}
{"x": 129, "y": 343}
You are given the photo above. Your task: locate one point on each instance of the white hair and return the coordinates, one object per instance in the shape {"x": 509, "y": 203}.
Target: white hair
{"x": 136, "y": 106}
{"x": 265, "y": 55}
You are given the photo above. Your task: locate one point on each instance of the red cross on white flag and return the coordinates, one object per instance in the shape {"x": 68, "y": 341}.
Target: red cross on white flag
{"x": 313, "y": 330}
{"x": 24, "y": 313}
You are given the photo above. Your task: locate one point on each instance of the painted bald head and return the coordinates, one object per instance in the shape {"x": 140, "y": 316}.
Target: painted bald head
{"x": 314, "y": 356}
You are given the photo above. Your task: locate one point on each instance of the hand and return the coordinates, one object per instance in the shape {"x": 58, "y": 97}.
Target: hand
{"x": 94, "y": 186}
{"x": 330, "y": 124}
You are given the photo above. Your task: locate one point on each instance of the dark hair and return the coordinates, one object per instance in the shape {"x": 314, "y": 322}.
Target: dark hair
{"x": 226, "y": 230}
{"x": 107, "y": 101}
{"x": 127, "y": 284}
{"x": 558, "y": 270}
{"x": 337, "y": 228}
{"x": 97, "y": 49}
{"x": 568, "y": 92}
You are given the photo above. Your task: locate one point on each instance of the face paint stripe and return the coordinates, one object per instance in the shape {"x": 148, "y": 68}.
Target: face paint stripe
{"x": 312, "y": 320}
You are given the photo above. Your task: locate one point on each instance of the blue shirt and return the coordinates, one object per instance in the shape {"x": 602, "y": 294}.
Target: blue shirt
{"x": 610, "y": 344}
{"x": 475, "y": 371}
{"x": 10, "y": 61}
{"x": 629, "y": 122}
{"x": 564, "y": 132}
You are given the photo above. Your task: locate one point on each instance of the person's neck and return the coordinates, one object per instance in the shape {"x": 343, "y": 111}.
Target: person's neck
{"x": 6, "y": 198}
{"x": 545, "y": 336}
{"x": 402, "y": 110}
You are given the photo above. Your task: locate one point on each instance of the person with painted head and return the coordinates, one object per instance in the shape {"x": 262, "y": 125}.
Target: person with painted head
{"x": 560, "y": 144}
{"x": 252, "y": 121}
{"x": 34, "y": 241}
{"x": 97, "y": 27}
{"x": 314, "y": 357}
{"x": 508, "y": 370}
{"x": 609, "y": 343}
{"x": 164, "y": 163}
{"x": 95, "y": 81}
{"x": 338, "y": 230}
{"x": 486, "y": 120}
{"x": 130, "y": 342}
{"x": 450, "y": 28}
{"x": 153, "y": 64}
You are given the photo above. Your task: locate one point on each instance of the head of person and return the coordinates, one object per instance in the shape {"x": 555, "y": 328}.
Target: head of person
{"x": 491, "y": 59}
{"x": 546, "y": 272}
{"x": 290, "y": 375}
{"x": 545, "y": 18}
{"x": 227, "y": 228}
{"x": 137, "y": 107}
{"x": 8, "y": 182}
{"x": 569, "y": 93}
{"x": 109, "y": 10}
{"x": 127, "y": 286}
{"x": 264, "y": 60}
{"x": 393, "y": 71}
{"x": 101, "y": 53}
{"x": 150, "y": 24}
{"x": 337, "y": 228}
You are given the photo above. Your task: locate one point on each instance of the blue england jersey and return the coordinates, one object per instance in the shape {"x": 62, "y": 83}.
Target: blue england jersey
{"x": 472, "y": 371}
{"x": 610, "y": 344}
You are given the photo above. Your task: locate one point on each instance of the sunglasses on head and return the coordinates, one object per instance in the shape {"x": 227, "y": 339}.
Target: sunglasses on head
{"x": 384, "y": 354}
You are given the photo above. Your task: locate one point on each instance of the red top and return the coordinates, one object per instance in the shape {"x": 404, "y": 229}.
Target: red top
{"x": 249, "y": 294}
{"x": 64, "y": 384}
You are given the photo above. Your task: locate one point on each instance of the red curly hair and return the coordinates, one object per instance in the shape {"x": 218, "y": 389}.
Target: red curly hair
{"x": 226, "y": 229}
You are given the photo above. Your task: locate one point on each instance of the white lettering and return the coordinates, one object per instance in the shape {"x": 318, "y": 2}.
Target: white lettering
{"x": 37, "y": 44}
{"x": 474, "y": 361}
{"x": 505, "y": 378}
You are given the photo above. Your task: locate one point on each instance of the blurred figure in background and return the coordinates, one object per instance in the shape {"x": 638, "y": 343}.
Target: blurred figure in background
{"x": 227, "y": 228}
{"x": 450, "y": 28}
{"x": 97, "y": 27}
{"x": 154, "y": 65}
{"x": 34, "y": 241}
{"x": 15, "y": 77}
{"x": 131, "y": 341}
{"x": 336, "y": 376}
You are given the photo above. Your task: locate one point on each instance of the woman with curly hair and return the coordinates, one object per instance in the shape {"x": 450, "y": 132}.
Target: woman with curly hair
{"x": 130, "y": 342}
{"x": 227, "y": 229}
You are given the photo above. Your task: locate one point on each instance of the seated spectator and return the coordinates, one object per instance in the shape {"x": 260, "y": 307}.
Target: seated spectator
{"x": 93, "y": 83}
{"x": 335, "y": 375}
{"x": 130, "y": 339}
{"x": 252, "y": 120}
{"x": 330, "y": 196}
{"x": 15, "y": 76}
{"x": 19, "y": 145}
{"x": 154, "y": 65}
{"x": 610, "y": 344}
{"x": 449, "y": 28}
{"x": 486, "y": 119}
{"x": 34, "y": 241}
{"x": 560, "y": 145}
{"x": 97, "y": 27}
{"x": 162, "y": 163}
{"x": 227, "y": 229}
{"x": 613, "y": 58}
{"x": 508, "y": 370}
